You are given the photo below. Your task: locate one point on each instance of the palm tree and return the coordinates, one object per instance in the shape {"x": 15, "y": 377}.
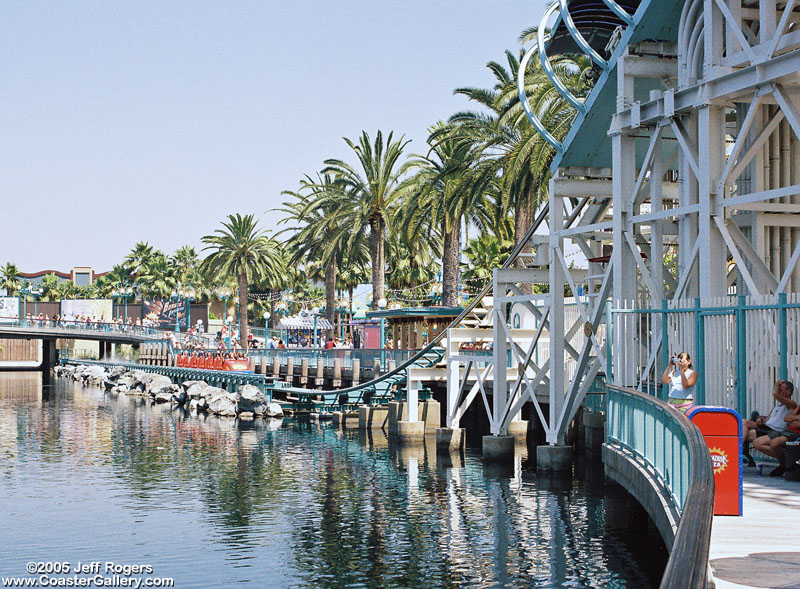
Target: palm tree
{"x": 354, "y": 271}
{"x": 157, "y": 278}
{"x": 411, "y": 263}
{"x": 484, "y": 254}
{"x": 367, "y": 195}
{"x": 439, "y": 196}
{"x": 138, "y": 259}
{"x": 10, "y": 278}
{"x": 243, "y": 250}
{"x": 511, "y": 148}
{"x": 184, "y": 261}
{"x": 49, "y": 286}
{"x": 318, "y": 237}
{"x": 66, "y": 290}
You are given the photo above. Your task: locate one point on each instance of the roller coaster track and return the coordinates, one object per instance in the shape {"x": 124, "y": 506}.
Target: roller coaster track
{"x": 392, "y": 384}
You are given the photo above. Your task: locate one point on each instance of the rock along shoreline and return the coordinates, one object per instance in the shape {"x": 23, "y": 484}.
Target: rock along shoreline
{"x": 194, "y": 395}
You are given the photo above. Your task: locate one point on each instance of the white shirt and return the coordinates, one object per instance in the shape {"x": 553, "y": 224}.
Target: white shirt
{"x": 676, "y": 390}
{"x": 776, "y": 416}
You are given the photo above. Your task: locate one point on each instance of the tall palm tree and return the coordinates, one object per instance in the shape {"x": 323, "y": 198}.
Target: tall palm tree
{"x": 243, "y": 250}
{"x": 184, "y": 261}
{"x": 138, "y": 259}
{"x": 439, "y": 196}
{"x": 511, "y": 148}
{"x": 10, "y": 278}
{"x": 367, "y": 195}
{"x": 157, "y": 278}
{"x": 318, "y": 236}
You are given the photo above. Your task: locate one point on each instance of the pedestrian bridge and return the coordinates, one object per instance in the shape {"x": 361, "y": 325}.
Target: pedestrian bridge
{"x": 105, "y": 333}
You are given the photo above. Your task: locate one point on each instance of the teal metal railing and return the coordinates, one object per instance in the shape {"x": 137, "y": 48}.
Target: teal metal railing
{"x": 670, "y": 447}
{"x": 78, "y": 327}
{"x": 653, "y": 432}
{"x": 329, "y": 356}
{"x": 748, "y": 325}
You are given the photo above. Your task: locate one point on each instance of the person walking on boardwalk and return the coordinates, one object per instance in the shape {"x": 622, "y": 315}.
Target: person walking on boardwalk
{"x": 681, "y": 378}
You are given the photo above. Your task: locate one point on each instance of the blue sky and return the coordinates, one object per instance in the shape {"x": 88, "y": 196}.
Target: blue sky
{"x": 128, "y": 121}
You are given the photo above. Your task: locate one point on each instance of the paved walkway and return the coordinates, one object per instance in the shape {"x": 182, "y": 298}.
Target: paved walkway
{"x": 761, "y": 548}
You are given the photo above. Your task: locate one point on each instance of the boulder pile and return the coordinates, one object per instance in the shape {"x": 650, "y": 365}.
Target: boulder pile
{"x": 194, "y": 395}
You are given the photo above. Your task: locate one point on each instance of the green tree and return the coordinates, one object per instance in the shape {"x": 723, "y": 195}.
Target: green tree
{"x": 439, "y": 196}
{"x": 49, "y": 286}
{"x": 138, "y": 259}
{"x": 484, "y": 254}
{"x": 510, "y": 147}
{"x": 242, "y": 250}
{"x": 10, "y": 278}
{"x": 367, "y": 195}
{"x": 318, "y": 236}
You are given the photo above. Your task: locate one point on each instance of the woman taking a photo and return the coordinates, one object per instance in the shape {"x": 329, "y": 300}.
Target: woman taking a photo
{"x": 681, "y": 378}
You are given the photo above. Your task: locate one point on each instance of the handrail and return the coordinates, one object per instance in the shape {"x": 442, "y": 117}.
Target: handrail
{"x": 687, "y": 566}
{"x": 74, "y": 325}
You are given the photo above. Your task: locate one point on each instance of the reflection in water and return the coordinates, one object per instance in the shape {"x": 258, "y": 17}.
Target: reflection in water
{"x": 212, "y": 501}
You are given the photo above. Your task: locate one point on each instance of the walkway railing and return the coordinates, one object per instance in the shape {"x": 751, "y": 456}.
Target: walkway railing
{"x": 672, "y": 450}
{"x": 51, "y": 325}
{"x": 739, "y": 346}
{"x": 329, "y": 356}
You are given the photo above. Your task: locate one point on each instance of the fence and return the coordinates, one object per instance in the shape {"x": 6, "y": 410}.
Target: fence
{"x": 366, "y": 357}
{"x": 739, "y": 346}
{"x": 52, "y": 325}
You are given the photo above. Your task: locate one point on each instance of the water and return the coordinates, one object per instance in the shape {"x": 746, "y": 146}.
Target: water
{"x": 86, "y": 476}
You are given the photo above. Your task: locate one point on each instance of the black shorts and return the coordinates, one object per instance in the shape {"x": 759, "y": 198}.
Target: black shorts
{"x": 764, "y": 430}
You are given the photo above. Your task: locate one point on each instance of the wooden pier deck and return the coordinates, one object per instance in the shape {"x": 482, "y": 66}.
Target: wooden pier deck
{"x": 761, "y": 548}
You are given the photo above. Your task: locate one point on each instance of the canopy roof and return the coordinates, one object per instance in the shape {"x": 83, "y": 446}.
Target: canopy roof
{"x": 304, "y": 322}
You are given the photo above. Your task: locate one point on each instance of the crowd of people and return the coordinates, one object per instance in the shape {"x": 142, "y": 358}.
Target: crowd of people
{"x": 69, "y": 320}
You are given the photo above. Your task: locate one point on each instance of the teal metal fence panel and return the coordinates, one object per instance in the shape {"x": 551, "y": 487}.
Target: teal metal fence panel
{"x": 651, "y": 432}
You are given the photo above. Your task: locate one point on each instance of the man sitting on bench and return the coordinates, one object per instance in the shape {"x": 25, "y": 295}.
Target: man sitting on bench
{"x": 773, "y": 424}
{"x": 773, "y": 442}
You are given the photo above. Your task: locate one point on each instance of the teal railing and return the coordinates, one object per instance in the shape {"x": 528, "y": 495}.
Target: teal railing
{"x": 750, "y": 323}
{"x": 79, "y": 327}
{"x": 670, "y": 447}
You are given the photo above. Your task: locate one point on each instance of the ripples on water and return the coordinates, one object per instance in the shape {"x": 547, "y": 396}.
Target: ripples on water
{"x": 212, "y": 502}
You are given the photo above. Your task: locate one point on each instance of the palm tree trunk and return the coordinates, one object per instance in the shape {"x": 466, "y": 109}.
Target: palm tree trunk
{"x": 376, "y": 229}
{"x": 243, "y": 309}
{"x": 450, "y": 253}
{"x": 523, "y": 219}
{"x": 350, "y": 289}
{"x": 330, "y": 291}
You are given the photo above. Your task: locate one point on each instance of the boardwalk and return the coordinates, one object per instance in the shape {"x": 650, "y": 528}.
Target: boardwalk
{"x": 762, "y": 548}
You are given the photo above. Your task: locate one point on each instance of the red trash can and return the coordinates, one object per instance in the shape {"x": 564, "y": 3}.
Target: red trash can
{"x": 722, "y": 429}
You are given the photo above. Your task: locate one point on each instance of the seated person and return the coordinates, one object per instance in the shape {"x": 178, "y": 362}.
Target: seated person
{"x": 774, "y": 434}
{"x": 777, "y": 445}
{"x": 758, "y": 425}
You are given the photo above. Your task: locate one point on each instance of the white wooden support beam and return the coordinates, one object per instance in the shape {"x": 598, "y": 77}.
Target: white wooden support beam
{"x": 556, "y": 322}
{"x": 711, "y": 143}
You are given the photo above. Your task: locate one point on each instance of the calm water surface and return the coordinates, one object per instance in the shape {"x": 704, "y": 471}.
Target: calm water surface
{"x": 86, "y": 476}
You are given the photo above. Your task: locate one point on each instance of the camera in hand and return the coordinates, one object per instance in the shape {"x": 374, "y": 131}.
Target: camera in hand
{"x": 675, "y": 360}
